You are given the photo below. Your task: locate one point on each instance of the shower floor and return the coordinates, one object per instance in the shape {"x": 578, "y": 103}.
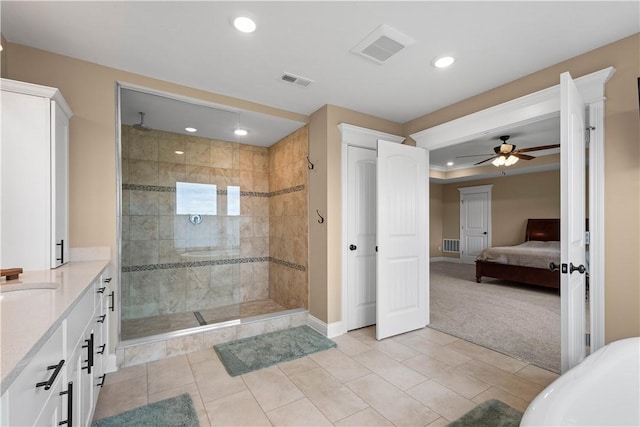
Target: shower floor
{"x": 146, "y": 326}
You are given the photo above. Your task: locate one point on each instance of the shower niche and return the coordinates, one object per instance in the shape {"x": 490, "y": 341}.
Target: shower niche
{"x": 213, "y": 226}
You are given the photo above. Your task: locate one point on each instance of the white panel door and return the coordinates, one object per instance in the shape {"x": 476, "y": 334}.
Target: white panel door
{"x": 474, "y": 225}
{"x": 403, "y": 238}
{"x": 572, "y": 223}
{"x": 361, "y": 235}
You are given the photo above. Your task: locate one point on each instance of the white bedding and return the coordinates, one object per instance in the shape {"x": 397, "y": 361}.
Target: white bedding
{"x": 537, "y": 254}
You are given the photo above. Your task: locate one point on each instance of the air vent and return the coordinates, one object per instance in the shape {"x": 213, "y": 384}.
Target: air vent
{"x": 296, "y": 80}
{"x": 382, "y": 44}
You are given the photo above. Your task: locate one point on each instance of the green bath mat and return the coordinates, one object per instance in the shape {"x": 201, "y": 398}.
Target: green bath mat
{"x": 249, "y": 354}
{"x": 492, "y": 413}
{"x": 174, "y": 412}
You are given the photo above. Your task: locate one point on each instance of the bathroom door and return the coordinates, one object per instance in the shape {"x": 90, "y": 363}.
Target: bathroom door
{"x": 402, "y": 302}
{"x": 572, "y": 223}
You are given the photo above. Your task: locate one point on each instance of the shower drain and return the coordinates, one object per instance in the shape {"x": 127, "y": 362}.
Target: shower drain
{"x": 199, "y": 318}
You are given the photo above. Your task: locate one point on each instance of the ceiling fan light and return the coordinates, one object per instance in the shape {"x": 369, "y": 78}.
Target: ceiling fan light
{"x": 499, "y": 161}
{"x": 511, "y": 160}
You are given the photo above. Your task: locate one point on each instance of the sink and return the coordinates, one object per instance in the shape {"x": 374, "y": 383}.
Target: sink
{"x": 23, "y": 287}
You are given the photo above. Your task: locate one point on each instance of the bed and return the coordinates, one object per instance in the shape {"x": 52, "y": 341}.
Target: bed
{"x": 528, "y": 262}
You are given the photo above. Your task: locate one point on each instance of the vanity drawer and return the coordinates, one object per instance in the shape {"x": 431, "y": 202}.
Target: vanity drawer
{"x": 34, "y": 386}
{"x": 77, "y": 321}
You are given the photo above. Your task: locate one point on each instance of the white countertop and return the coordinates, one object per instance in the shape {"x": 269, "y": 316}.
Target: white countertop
{"x": 29, "y": 317}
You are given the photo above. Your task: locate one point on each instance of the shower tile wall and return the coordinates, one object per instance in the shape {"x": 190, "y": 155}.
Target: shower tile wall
{"x": 288, "y": 243}
{"x": 170, "y": 265}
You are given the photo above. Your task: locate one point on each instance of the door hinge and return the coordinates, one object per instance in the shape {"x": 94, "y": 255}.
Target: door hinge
{"x": 587, "y": 340}
{"x": 587, "y": 237}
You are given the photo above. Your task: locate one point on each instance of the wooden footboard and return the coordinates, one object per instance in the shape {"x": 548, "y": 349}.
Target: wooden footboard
{"x": 516, "y": 273}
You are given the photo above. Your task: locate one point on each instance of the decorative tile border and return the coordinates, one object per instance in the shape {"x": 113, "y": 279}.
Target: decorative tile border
{"x": 163, "y": 189}
{"x": 167, "y": 266}
{"x": 288, "y": 264}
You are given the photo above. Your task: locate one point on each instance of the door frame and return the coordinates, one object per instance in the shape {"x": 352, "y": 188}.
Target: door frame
{"x": 537, "y": 106}
{"x": 465, "y": 191}
{"x": 364, "y": 138}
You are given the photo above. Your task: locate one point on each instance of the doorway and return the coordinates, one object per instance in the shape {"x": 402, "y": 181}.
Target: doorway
{"x": 475, "y": 221}
{"x": 528, "y": 109}
{"x": 384, "y": 200}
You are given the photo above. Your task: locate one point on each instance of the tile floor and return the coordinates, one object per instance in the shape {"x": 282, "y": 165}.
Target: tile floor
{"x": 421, "y": 378}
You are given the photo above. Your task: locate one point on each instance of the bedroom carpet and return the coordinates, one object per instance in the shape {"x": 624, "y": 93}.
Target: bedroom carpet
{"x": 518, "y": 320}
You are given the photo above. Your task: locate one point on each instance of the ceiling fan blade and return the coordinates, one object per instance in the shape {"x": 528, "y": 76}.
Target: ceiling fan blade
{"x": 523, "y": 156}
{"x": 485, "y": 160}
{"x": 542, "y": 147}
{"x": 473, "y": 155}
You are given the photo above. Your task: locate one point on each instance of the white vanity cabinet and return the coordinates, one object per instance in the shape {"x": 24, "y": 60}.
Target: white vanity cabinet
{"x": 35, "y": 394}
{"x": 34, "y": 176}
{"x": 60, "y": 384}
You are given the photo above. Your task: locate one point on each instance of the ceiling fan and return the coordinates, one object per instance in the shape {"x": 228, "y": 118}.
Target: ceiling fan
{"x": 507, "y": 155}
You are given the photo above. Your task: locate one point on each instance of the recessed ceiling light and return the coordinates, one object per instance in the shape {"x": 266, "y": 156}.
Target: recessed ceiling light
{"x": 449, "y": 163}
{"x": 244, "y": 24}
{"x": 240, "y": 132}
{"x": 190, "y": 129}
{"x": 179, "y": 152}
{"x": 443, "y": 61}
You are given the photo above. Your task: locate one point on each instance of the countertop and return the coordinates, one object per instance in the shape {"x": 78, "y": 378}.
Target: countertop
{"x": 29, "y": 317}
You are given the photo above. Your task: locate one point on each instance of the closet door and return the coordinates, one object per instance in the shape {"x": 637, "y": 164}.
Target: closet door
{"x": 361, "y": 229}
{"x": 403, "y": 236}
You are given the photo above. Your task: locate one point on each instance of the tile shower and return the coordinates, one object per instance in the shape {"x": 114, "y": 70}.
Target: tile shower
{"x": 244, "y": 254}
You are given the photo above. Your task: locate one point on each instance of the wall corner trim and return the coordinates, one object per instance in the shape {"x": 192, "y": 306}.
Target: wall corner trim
{"x": 328, "y": 330}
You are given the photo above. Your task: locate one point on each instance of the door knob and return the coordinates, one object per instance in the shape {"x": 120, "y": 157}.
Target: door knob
{"x": 580, "y": 269}
{"x": 553, "y": 266}
{"x": 352, "y": 247}
{"x": 484, "y": 232}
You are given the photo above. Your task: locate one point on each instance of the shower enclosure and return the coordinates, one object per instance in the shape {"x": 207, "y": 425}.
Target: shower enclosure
{"x": 212, "y": 230}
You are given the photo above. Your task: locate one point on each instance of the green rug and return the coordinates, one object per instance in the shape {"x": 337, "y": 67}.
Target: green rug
{"x": 249, "y": 354}
{"x": 492, "y": 413}
{"x": 174, "y": 412}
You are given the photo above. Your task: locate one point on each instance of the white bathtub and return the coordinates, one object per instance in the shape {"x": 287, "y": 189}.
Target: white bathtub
{"x": 603, "y": 390}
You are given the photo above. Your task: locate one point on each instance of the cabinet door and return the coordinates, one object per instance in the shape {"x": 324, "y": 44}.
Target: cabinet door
{"x": 34, "y": 387}
{"x": 59, "y": 186}
{"x": 82, "y": 377}
{"x": 52, "y": 412}
{"x": 26, "y": 164}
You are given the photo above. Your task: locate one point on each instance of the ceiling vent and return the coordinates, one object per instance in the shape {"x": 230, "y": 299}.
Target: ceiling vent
{"x": 296, "y": 80}
{"x": 382, "y": 44}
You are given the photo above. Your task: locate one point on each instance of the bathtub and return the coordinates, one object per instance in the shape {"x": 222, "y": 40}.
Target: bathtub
{"x": 603, "y": 390}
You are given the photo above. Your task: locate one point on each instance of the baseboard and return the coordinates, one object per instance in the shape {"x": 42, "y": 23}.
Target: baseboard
{"x": 445, "y": 259}
{"x": 111, "y": 364}
{"x": 328, "y": 330}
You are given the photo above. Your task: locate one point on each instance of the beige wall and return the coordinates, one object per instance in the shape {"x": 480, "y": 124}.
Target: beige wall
{"x": 622, "y": 166}
{"x": 435, "y": 219}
